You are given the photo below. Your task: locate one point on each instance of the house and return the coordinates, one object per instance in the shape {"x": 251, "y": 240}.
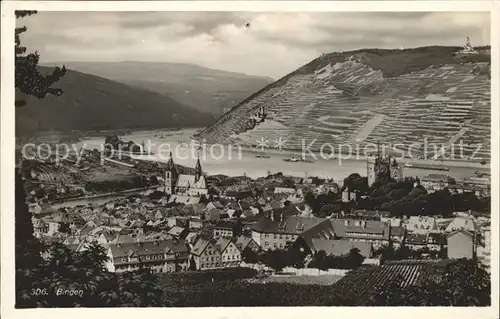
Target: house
{"x": 35, "y": 208}
{"x": 461, "y": 244}
{"x": 198, "y": 208}
{"x": 159, "y": 256}
{"x": 348, "y": 196}
{"x": 40, "y": 227}
{"x": 191, "y": 238}
{"x": 177, "y": 232}
{"x": 436, "y": 241}
{"x": 231, "y": 213}
{"x": 374, "y": 231}
{"x": 393, "y": 221}
{"x": 195, "y": 223}
{"x": 181, "y": 251}
{"x": 276, "y": 232}
{"x": 284, "y": 190}
{"x": 243, "y": 242}
{"x": 421, "y": 224}
{"x": 223, "y": 229}
{"x": 212, "y": 214}
{"x": 52, "y": 227}
{"x": 230, "y": 254}
{"x": 171, "y": 221}
{"x": 398, "y": 234}
{"x": 487, "y": 239}
{"x": 436, "y": 182}
{"x": 205, "y": 255}
{"x": 304, "y": 210}
{"x": 184, "y": 199}
{"x": 416, "y": 241}
{"x": 465, "y": 223}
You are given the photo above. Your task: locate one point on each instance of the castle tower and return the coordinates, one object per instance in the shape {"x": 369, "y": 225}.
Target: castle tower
{"x": 378, "y": 167}
{"x": 197, "y": 170}
{"x": 171, "y": 175}
{"x": 370, "y": 168}
{"x": 396, "y": 170}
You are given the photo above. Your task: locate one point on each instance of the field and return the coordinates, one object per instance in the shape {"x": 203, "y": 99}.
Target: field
{"x": 106, "y": 173}
{"x": 301, "y": 280}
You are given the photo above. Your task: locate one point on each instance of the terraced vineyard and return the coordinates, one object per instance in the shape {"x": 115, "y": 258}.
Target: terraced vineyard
{"x": 358, "y": 284}
{"x": 50, "y": 174}
{"x": 424, "y": 95}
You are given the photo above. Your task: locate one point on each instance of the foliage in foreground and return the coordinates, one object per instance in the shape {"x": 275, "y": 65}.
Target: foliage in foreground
{"x": 79, "y": 279}
{"x": 465, "y": 283}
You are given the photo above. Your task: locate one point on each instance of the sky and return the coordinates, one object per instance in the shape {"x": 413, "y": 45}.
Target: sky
{"x": 273, "y": 44}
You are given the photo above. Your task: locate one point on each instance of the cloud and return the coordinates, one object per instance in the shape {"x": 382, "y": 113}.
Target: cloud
{"x": 274, "y": 44}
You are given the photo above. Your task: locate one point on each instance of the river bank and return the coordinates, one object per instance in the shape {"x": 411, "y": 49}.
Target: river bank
{"x": 102, "y": 198}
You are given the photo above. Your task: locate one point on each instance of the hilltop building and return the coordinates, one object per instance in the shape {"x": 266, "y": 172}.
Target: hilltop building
{"x": 468, "y": 49}
{"x": 380, "y": 167}
{"x": 184, "y": 184}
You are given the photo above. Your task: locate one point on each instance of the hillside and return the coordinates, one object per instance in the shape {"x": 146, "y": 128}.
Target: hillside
{"x": 365, "y": 96}
{"x": 93, "y": 103}
{"x": 207, "y": 90}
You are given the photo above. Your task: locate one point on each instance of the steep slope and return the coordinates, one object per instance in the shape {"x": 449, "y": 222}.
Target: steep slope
{"x": 365, "y": 96}
{"x": 93, "y": 103}
{"x": 207, "y": 90}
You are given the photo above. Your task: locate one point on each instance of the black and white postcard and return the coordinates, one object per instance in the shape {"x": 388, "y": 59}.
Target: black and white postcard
{"x": 218, "y": 156}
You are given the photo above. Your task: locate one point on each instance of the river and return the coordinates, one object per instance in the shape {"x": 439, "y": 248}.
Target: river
{"x": 232, "y": 162}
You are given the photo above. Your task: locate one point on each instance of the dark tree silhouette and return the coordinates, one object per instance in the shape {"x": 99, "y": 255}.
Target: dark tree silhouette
{"x": 28, "y": 79}
{"x": 38, "y": 279}
{"x": 64, "y": 228}
{"x": 464, "y": 283}
{"x": 249, "y": 256}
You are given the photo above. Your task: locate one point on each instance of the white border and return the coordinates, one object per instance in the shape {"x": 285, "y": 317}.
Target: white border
{"x": 7, "y": 159}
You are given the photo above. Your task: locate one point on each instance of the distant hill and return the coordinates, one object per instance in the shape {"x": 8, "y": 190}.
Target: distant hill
{"x": 205, "y": 89}
{"x": 92, "y": 103}
{"x": 371, "y": 95}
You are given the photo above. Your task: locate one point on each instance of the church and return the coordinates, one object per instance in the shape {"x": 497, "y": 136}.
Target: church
{"x": 184, "y": 184}
{"x": 380, "y": 167}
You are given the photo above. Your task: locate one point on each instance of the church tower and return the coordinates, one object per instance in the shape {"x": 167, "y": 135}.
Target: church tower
{"x": 170, "y": 176}
{"x": 197, "y": 171}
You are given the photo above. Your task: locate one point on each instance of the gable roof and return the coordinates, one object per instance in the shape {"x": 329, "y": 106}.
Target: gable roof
{"x": 176, "y": 231}
{"x": 186, "y": 180}
{"x": 200, "y": 246}
{"x": 198, "y": 208}
{"x": 462, "y": 223}
{"x": 290, "y": 224}
{"x": 398, "y": 231}
{"x": 242, "y": 242}
{"x": 436, "y": 238}
{"x": 222, "y": 243}
{"x": 139, "y": 249}
{"x": 416, "y": 239}
{"x": 468, "y": 234}
{"x": 422, "y": 222}
{"x": 355, "y": 227}
{"x": 183, "y": 199}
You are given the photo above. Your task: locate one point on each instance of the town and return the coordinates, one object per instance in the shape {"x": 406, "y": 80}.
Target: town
{"x": 182, "y": 220}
